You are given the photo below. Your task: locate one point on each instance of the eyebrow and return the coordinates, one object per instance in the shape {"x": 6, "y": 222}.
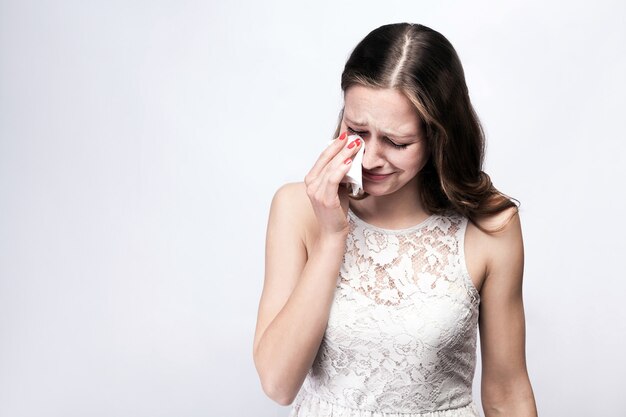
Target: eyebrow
{"x": 360, "y": 124}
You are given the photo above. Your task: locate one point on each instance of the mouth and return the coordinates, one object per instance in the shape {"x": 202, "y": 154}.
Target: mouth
{"x": 375, "y": 177}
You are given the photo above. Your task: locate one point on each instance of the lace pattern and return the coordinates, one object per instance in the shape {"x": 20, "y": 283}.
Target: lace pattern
{"x": 401, "y": 335}
{"x": 313, "y": 406}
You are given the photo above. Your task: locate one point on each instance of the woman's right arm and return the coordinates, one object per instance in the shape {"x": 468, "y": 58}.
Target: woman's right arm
{"x": 299, "y": 286}
{"x": 295, "y": 304}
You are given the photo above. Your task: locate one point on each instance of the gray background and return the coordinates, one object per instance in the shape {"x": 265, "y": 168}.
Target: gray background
{"x": 141, "y": 143}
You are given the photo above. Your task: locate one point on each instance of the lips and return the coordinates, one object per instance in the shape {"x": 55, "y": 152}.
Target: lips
{"x": 376, "y": 176}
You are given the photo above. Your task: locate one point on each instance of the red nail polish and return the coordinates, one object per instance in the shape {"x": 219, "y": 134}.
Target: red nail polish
{"x": 343, "y": 136}
{"x": 347, "y": 161}
{"x": 351, "y": 145}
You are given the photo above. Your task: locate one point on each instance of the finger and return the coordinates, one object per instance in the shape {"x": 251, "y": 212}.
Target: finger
{"x": 330, "y": 185}
{"x": 337, "y": 170}
{"x": 349, "y": 151}
{"x": 328, "y": 154}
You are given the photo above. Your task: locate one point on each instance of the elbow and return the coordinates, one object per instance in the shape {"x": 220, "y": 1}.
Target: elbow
{"x": 277, "y": 393}
{"x": 273, "y": 388}
{"x": 510, "y": 399}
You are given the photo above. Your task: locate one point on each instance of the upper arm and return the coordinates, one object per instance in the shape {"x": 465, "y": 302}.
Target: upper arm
{"x": 501, "y": 319}
{"x": 285, "y": 255}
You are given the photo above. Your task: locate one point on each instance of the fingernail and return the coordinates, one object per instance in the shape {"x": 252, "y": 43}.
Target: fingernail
{"x": 343, "y": 136}
{"x": 347, "y": 161}
{"x": 352, "y": 144}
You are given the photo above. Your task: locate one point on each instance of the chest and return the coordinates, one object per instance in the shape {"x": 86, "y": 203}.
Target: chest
{"x": 473, "y": 239}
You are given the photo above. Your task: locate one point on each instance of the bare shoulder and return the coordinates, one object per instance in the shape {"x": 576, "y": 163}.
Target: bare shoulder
{"x": 483, "y": 250}
{"x": 505, "y": 222}
{"x": 504, "y": 247}
{"x": 289, "y": 192}
{"x": 292, "y": 196}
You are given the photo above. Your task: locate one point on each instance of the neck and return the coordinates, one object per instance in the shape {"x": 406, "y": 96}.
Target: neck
{"x": 404, "y": 203}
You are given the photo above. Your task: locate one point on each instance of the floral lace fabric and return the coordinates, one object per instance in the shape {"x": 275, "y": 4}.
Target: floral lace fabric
{"x": 401, "y": 335}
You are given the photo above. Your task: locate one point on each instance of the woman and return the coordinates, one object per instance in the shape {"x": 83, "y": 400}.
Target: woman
{"x": 371, "y": 305}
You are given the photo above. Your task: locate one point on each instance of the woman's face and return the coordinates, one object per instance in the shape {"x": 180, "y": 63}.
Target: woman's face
{"x": 394, "y": 141}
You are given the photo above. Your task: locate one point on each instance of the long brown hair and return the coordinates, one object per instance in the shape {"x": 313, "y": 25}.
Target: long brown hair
{"x": 422, "y": 64}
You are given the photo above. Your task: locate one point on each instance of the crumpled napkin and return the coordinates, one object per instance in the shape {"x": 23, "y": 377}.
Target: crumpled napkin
{"x": 354, "y": 176}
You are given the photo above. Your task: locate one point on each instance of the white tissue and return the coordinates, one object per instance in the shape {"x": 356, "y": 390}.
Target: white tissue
{"x": 354, "y": 176}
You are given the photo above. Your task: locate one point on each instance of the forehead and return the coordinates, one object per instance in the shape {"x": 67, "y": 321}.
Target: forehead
{"x": 387, "y": 108}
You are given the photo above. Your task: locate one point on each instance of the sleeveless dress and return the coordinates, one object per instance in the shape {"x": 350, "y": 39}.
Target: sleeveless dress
{"x": 401, "y": 334}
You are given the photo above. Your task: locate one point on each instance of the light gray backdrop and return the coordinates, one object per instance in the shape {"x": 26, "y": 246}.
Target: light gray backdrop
{"x": 141, "y": 143}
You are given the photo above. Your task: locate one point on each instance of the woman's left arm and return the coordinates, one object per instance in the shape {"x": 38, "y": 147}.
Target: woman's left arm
{"x": 505, "y": 385}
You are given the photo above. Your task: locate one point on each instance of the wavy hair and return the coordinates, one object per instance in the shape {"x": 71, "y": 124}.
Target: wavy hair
{"x": 423, "y": 65}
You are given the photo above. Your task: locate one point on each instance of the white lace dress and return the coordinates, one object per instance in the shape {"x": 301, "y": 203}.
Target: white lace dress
{"x": 401, "y": 335}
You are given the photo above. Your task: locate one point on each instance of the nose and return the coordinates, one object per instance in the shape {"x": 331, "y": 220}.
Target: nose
{"x": 372, "y": 154}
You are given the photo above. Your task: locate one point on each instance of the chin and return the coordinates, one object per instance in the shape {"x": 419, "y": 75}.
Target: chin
{"x": 379, "y": 189}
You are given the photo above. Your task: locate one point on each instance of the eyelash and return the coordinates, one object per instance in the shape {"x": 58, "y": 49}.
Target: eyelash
{"x": 390, "y": 142}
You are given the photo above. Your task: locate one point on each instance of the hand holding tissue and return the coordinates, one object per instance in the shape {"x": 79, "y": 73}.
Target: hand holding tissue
{"x": 354, "y": 176}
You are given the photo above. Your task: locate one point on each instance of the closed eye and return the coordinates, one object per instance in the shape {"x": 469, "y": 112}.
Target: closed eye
{"x": 395, "y": 145}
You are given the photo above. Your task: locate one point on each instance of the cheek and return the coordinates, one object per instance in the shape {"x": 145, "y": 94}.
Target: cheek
{"x": 412, "y": 161}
